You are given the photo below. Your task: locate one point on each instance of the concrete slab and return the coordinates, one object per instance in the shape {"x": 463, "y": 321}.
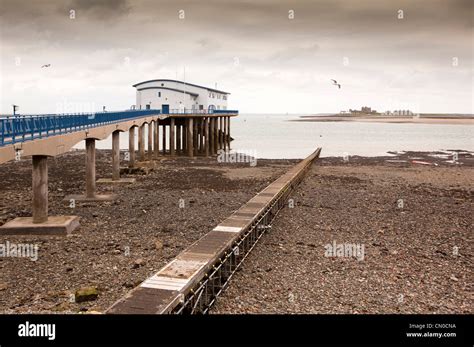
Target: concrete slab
{"x": 55, "y": 225}
{"x": 123, "y": 180}
{"x": 96, "y": 198}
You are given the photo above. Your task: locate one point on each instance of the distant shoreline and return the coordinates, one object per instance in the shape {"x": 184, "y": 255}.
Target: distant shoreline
{"x": 422, "y": 119}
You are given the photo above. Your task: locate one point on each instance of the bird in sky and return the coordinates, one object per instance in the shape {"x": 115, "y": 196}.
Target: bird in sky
{"x": 334, "y": 82}
{"x": 46, "y": 65}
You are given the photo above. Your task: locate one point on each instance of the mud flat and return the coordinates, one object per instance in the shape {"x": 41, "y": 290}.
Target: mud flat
{"x": 119, "y": 243}
{"x": 411, "y": 213}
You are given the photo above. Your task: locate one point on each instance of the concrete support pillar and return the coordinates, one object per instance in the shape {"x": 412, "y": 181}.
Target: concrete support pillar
{"x": 221, "y": 128}
{"x": 178, "y": 138}
{"x": 184, "y": 138}
{"x": 172, "y": 138}
{"x": 131, "y": 147}
{"x": 40, "y": 188}
{"x": 141, "y": 142}
{"x": 116, "y": 155}
{"x": 163, "y": 138}
{"x": 211, "y": 135}
{"x": 201, "y": 134}
{"x": 206, "y": 134}
{"x": 224, "y": 133}
{"x": 195, "y": 136}
{"x": 190, "y": 136}
{"x": 216, "y": 135}
{"x": 90, "y": 168}
{"x": 156, "y": 138}
{"x": 150, "y": 141}
{"x": 228, "y": 132}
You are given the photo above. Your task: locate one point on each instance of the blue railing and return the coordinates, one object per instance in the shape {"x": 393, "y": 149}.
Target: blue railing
{"x": 194, "y": 111}
{"x": 224, "y": 111}
{"x": 20, "y": 128}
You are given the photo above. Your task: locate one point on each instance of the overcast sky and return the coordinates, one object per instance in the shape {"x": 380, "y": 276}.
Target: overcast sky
{"x": 272, "y": 56}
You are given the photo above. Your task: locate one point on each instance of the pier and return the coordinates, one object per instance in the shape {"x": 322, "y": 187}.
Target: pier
{"x": 183, "y": 133}
{"x": 192, "y": 281}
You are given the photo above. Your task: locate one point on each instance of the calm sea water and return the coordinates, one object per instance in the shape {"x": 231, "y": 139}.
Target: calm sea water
{"x": 274, "y": 136}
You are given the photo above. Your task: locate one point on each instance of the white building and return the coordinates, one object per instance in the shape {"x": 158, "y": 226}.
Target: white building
{"x": 173, "y": 95}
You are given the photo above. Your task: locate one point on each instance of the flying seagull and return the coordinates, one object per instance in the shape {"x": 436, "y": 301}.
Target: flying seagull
{"x": 334, "y": 82}
{"x": 46, "y": 65}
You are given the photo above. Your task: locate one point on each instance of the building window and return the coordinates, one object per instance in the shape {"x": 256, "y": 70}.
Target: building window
{"x": 224, "y": 97}
{"x": 162, "y": 84}
{"x": 159, "y": 94}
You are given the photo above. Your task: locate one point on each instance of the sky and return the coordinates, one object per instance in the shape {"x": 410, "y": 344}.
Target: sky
{"x": 273, "y": 56}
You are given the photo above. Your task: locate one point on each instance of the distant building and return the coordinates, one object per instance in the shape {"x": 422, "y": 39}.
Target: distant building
{"x": 166, "y": 95}
{"x": 364, "y": 109}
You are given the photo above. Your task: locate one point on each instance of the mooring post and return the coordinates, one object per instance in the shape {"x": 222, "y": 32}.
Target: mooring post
{"x": 116, "y": 155}
{"x": 172, "y": 140}
{"x": 131, "y": 147}
{"x": 189, "y": 136}
{"x": 40, "y": 188}
{"x": 141, "y": 142}
{"x": 156, "y": 139}
{"x": 150, "y": 140}
{"x": 90, "y": 168}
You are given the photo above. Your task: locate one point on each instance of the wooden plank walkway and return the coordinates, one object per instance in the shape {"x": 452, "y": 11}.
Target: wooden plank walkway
{"x": 191, "y": 282}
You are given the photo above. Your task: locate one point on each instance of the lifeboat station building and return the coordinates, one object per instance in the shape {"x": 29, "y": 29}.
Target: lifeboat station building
{"x": 172, "y": 96}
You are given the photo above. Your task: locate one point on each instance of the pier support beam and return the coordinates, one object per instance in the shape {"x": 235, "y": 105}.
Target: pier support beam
{"x": 90, "y": 179}
{"x": 228, "y": 132}
{"x": 163, "y": 137}
{"x": 216, "y": 135}
{"x": 40, "y": 188}
{"x": 206, "y": 134}
{"x": 178, "y": 138}
{"x": 195, "y": 137}
{"x": 221, "y": 144}
{"x": 190, "y": 136}
{"x": 40, "y": 223}
{"x": 116, "y": 155}
{"x": 131, "y": 147}
{"x": 172, "y": 140}
{"x": 150, "y": 140}
{"x": 224, "y": 133}
{"x": 141, "y": 142}
{"x": 156, "y": 138}
{"x": 116, "y": 162}
{"x": 211, "y": 135}
{"x": 201, "y": 135}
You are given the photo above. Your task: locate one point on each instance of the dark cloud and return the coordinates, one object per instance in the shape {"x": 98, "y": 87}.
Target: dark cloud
{"x": 246, "y": 45}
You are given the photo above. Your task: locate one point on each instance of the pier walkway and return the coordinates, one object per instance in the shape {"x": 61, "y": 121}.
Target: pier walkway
{"x": 191, "y": 282}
